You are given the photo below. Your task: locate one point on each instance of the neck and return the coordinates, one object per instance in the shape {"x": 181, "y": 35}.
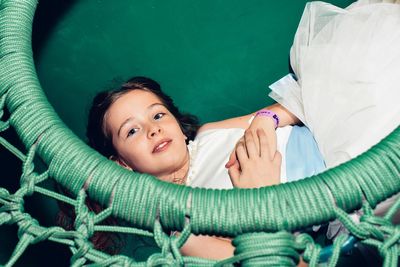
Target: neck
{"x": 178, "y": 176}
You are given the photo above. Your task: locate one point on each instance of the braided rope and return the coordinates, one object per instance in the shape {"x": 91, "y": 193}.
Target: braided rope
{"x": 374, "y": 176}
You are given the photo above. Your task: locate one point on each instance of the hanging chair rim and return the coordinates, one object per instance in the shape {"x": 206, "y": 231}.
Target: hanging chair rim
{"x": 36, "y": 121}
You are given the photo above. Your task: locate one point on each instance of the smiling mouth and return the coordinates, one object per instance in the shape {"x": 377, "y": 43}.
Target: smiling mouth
{"x": 162, "y": 146}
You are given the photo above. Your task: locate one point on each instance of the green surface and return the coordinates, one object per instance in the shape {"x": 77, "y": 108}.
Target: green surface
{"x": 216, "y": 58}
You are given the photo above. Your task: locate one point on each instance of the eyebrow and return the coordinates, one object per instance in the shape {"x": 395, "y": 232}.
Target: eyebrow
{"x": 131, "y": 118}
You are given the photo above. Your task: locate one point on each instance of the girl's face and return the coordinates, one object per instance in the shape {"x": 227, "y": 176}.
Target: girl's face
{"x": 146, "y": 136}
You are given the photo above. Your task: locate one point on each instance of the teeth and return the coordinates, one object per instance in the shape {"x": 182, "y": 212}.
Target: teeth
{"x": 162, "y": 145}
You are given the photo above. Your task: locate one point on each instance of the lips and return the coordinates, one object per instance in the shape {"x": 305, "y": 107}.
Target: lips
{"x": 162, "y": 145}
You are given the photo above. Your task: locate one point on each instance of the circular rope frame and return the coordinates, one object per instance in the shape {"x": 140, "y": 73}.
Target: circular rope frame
{"x": 141, "y": 199}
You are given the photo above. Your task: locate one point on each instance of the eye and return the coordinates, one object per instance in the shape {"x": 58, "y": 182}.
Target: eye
{"x": 159, "y": 115}
{"x": 132, "y": 131}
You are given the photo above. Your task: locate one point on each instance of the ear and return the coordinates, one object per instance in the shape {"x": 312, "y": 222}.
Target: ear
{"x": 120, "y": 162}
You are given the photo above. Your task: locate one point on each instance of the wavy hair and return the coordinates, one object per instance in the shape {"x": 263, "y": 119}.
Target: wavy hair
{"x": 98, "y": 136}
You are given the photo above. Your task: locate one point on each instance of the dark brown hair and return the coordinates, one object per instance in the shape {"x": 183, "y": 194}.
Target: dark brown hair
{"x": 100, "y": 139}
{"x": 98, "y": 136}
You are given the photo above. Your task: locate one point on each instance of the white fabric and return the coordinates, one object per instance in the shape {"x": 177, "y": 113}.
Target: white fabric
{"x": 347, "y": 62}
{"x": 210, "y": 151}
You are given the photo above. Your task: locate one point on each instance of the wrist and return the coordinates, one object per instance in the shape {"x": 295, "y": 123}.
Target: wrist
{"x": 268, "y": 114}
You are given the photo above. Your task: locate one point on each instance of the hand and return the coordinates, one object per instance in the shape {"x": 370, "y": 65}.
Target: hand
{"x": 265, "y": 123}
{"x": 256, "y": 165}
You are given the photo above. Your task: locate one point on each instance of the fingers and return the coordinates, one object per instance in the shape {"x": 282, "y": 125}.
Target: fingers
{"x": 277, "y": 160}
{"x": 255, "y": 161}
{"x": 232, "y": 159}
{"x": 234, "y": 173}
{"x": 251, "y": 145}
{"x": 241, "y": 153}
{"x": 267, "y": 145}
{"x": 277, "y": 165}
{"x": 264, "y": 144}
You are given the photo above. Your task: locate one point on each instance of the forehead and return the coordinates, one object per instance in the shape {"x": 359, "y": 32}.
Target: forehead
{"x": 136, "y": 97}
{"x": 131, "y": 104}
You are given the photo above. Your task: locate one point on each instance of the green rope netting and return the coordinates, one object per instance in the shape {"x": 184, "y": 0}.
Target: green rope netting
{"x": 259, "y": 220}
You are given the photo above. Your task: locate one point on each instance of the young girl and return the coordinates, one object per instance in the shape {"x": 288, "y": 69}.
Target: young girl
{"x": 346, "y": 66}
{"x": 139, "y": 128}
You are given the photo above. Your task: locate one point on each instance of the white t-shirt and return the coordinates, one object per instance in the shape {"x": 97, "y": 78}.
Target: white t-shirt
{"x": 210, "y": 151}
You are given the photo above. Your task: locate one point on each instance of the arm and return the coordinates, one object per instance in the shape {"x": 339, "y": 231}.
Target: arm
{"x": 285, "y": 118}
{"x": 220, "y": 248}
{"x": 212, "y": 248}
{"x": 257, "y": 164}
{"x": 258, "y": 168}
{"x": 268, "y": 125}
{"x": 208, "y": 247}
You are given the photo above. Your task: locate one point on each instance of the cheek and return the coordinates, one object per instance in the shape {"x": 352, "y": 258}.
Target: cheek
{"x": 137, "y": 159}
{"x": 174, "y": 125}
{"x": 131, "y": 150}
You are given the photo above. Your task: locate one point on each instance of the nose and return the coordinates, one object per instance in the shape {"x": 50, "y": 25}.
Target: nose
{"x": 154, "y": 130}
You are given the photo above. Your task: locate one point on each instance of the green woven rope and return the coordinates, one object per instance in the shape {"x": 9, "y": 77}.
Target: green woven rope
{"x": 153, "y": 205}
{"x": 63, "y": 152}
{"x": 259, "y": 248}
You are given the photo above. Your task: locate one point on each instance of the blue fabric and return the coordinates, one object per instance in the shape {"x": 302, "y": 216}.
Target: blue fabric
{"x": 303, "y": 158}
